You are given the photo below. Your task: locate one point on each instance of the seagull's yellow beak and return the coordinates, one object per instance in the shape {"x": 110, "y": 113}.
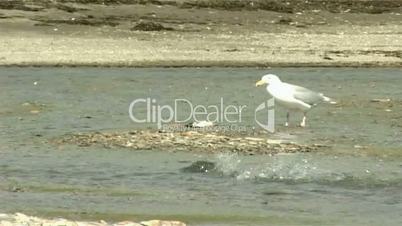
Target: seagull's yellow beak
{"x": 259, "y": 83}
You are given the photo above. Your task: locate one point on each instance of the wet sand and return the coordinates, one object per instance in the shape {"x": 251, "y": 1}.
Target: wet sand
{"x": 201, "y": 33}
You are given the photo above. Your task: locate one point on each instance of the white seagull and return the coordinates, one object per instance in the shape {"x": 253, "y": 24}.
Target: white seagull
{"x": 291, "y": 96}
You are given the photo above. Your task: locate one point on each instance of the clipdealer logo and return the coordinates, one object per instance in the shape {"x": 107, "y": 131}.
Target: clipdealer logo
{"x": 148, "y": 110}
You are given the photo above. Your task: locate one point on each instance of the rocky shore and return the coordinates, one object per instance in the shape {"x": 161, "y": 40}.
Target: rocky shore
{"x": 175, "y": 33}
{"x": 19, "y": 219}
{"x": 194, "y": 141}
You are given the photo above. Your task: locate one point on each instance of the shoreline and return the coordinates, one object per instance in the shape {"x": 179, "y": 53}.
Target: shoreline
{"x": 206, "y": 65}
{"x": 289, "y": 50}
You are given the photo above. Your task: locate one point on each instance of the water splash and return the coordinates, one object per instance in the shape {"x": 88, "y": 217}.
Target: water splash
{"x": 280, "y": 169}
{"x": 295, "y": 169}
{"x": 228, "y": 163}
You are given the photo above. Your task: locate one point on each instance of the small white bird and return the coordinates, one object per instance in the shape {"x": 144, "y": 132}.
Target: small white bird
{"x": 291, "y": 96}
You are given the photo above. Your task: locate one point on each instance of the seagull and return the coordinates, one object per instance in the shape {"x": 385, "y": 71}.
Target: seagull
{"x": 292, "y": 97}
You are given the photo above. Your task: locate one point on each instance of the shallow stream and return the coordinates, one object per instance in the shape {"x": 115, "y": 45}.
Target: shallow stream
{"x": 357, "y": 181}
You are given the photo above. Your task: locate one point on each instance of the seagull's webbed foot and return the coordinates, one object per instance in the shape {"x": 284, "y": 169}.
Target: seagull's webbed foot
{"x": 287, "y": 119}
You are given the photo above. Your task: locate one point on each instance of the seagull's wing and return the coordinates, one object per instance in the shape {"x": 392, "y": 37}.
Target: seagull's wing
{"x": 307, "y": 96}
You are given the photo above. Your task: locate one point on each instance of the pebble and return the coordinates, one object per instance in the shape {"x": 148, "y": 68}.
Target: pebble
{"x": 385, "y": 100}
{"x": 34, "y": 112}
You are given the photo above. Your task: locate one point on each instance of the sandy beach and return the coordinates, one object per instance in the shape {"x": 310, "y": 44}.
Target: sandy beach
{"x": 188, "y": 33}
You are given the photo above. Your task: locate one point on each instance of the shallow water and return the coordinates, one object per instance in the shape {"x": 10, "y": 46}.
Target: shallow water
{"x": 358, "y": 181}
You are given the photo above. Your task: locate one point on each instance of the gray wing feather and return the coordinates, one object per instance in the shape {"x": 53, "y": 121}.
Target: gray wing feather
{"x": 307, "y": 96}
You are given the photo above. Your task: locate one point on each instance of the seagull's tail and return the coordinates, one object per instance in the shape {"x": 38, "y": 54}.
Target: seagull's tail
{"x": 327, "y": 99}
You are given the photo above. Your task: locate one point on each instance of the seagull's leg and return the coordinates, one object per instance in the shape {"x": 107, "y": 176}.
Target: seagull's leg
{"x": 303, "y": 122}
{"x": 287, "y": 119}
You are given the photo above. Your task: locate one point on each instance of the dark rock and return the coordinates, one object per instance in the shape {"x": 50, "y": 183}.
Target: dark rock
{"x": 284, "y": 21}
{"x": 150, "y": 26}
{"x": 275, "y": 6}
{"x": 67, "y": 8}
{"x": 81, "y": 21}
{"x": 199, "y": 167}
{"x": 18, "y": 5}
